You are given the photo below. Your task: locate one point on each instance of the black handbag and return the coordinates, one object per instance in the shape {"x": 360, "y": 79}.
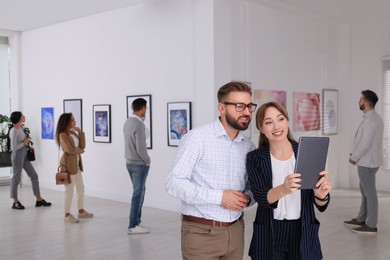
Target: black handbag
{"x": 5, "y": 159}
{"x": 30, "y": 154}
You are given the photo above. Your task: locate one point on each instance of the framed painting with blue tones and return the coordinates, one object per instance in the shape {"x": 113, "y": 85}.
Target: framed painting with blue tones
{"x": 47, "y": 123}
{"x": 102, "y": 123}
{"x": 179, "y": 121}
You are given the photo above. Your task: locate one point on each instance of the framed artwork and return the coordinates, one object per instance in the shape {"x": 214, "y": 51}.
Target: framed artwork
{"x": 306, "y": 113}
{"x": 148, "y": 116}
{"x": 47, "y": 123}
{"x": 179, "y": 121}
{"x": 330, "y": 111}
{"x": 264, "y": 96}
{"x": 75, "y": 106}
{"x": 102, "y": 123}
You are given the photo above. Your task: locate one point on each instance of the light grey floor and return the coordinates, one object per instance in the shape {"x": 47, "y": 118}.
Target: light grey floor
{"x": 39, "y": 233}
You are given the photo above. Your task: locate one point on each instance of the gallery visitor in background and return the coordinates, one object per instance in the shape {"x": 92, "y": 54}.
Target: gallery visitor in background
{"x": 209, "y": 177}
{"x": 285, "y": 226}
{"x": 137, "y": 162}
{"x": 368, "y": 156}
{"x": 72, "y": 141}
{"x": 17, "y": 142}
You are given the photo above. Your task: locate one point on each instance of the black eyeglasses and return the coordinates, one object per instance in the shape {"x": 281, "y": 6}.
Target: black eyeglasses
{"x": 241, "y": 106}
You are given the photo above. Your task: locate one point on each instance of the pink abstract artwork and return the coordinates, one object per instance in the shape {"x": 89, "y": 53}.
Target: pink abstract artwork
{"x": 306, "y": 113}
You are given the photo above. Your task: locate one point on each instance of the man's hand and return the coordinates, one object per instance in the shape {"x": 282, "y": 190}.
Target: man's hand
{"x": 234, "y": 200}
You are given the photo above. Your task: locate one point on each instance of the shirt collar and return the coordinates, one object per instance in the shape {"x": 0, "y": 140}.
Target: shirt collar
{"x": 369, "y": 112}
{"x": 135, "y": 116}
{"x": 220, "y": 131}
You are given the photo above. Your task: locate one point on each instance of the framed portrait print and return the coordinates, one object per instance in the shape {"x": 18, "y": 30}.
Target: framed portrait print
{"x": 102, "y": 123}
{"x": 330, "y": 111}
{"x": 47, "y": 123}
{"x": 75, "y": 106}
{"x": 148, "y": 116}
{"x": 179, "y": 121}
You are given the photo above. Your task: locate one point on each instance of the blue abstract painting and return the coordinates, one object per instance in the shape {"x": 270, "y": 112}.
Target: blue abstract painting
{"x": 101, "y": 121}
{"x": 47, "y": 122}
{"x": 178, "y": 121}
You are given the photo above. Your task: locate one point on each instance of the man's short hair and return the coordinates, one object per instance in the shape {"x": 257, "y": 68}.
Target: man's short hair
{"x": 224, "y": 91}
{"x": 370, "y": 96}
{"x": 138, "y": 104}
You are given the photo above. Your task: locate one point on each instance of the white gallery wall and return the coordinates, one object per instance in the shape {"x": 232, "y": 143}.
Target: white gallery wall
{"x": 276, "y": 48}
{"x": 143, "y": 49}
{"x": 365, "y": 44}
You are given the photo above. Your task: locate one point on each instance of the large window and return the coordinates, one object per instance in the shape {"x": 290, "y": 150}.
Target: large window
{"x": 386, "y": 113}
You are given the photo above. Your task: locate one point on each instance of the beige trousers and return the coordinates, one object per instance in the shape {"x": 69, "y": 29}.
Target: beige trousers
{"x": 206, "y": 242}
{"x": 76, "y": 180}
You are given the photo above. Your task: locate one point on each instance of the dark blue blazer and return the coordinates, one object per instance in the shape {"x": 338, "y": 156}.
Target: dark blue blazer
{"x": 260, "y": 179}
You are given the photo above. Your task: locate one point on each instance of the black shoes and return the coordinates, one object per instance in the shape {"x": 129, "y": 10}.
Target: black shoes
{"x": 42, "y": 203}
{"x": 365, "y": 230}
{"x": 17, "y": 205}
{"x": 353, "y": 223}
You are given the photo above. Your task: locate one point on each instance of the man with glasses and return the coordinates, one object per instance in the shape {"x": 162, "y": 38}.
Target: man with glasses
{"x": 209, "y": 176}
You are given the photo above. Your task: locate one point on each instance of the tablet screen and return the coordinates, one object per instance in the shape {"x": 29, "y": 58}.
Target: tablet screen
{"x": 311, "y": 160}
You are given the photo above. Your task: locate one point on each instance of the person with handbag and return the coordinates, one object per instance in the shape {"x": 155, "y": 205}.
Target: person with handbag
{"x": 72, "y": 141}
{"x": 18, "y": 142}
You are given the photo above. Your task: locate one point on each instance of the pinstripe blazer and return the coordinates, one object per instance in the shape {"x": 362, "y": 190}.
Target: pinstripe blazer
{"x": 260, "y": 179}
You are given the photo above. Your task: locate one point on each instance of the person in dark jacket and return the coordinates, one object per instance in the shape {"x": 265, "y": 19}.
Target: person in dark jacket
{"x": 285, "y": 226}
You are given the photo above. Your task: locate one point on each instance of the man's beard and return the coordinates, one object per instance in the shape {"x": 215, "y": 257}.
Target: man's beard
{"x": 362, "y": 107}
{"x": 236, "y": 124}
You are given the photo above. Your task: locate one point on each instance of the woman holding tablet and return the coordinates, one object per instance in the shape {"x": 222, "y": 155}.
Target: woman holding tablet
{"x": 285, "y": 226}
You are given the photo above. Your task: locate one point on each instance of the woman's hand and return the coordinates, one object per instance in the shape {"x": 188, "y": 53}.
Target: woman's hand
{"x": 77, "y": 129}
{"x": 323, "y": 185}
{"x": 292, "y": 182}
{"x": 26, "y": 140}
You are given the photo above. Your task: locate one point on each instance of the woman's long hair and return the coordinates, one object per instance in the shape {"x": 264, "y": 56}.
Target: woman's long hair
{"x": 263, "y": 140}
{"x": 62, "y": 125}
{"x": 14, "y": 118}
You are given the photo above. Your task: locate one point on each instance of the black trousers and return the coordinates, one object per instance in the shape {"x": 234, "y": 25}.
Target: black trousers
{"x": 287, "y": 235}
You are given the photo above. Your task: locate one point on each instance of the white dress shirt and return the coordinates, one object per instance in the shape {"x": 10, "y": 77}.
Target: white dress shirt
{"x": 207, "y": 163}
{"x": 289, "y": 206}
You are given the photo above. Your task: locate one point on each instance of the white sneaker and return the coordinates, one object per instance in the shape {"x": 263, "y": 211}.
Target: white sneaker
{"x": 71, "y": 219}
{"x": 138, "y": 230}
{"x": 85, "y": 214}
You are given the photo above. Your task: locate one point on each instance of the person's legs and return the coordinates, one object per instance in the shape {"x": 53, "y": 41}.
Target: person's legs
{"x": 236, "y": 241}
{"x": 294, "y": 243}
{"x": 203, "y": 242}
{"x": 280, "y": 240}
{"x": 138, "y": 175}
{"x": 68, "y": 195}
{"x": 17, "y": 166}
{"x": 362, "y": 215}
{"x": 27, "y": 166}
{"x": 79, "y": 183}
{"x": 367, "y": 179}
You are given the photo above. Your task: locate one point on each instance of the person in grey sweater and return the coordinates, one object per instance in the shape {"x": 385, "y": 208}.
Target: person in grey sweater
{"x": 137, "y": 162}
{"x": 17, "y": 142}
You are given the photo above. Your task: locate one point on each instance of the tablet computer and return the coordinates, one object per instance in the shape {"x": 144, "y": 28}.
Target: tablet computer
{"x": 311, "y": 160}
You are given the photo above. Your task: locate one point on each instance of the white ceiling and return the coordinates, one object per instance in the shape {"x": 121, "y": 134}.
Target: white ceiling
{"x": 22, "y": 15}
{"x": 346, "y": 11}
